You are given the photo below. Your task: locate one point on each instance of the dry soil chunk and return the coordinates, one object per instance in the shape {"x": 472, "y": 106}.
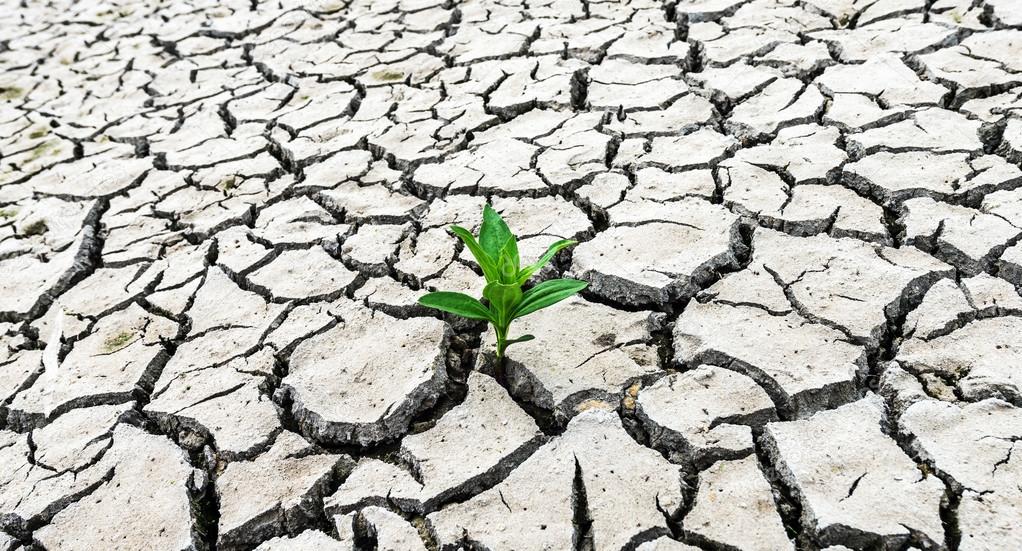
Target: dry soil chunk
{"x": 28, "y": 277}
{"x": 226, "y": 323}
{"x": 372, "y": 247}
{"x": 723, "y": 48}
{"x": 891, "y": 36}
{"x": 948, "y": 306}
{"x": 854, "y": 482}
{"x": 652, "y": 42}
{"x": 122, "y": 354}
{"x": 785, "y": 102}
{"x": 1011, "y": 141}
{"x": 609, "y": 349}
{"x": 684, "y": 114}
{"x": 896, "y": 176}
{"x": 375, "y": 482}
{"x": 735, "y": 506}
{"x": 704, "y": 412}
{"x": 54, "y": 466}
{"x": 1006, "y": 13}
{"x": 310, "y": 274}
{"x": 982, "y": 356}
{"x": 736, "y": 81}
{"x": 488, "y": 422}
{"x": 619, "y": 263}
{"x": 298, "y": 220}
{"x": 705, "y": 10}
{"x": 363, "y": 380}
{"x": 629, "y": 86}
{"x": 236, "y": 251}
{"x": 387, "y": 529}
{"x": 757, "y": 192}
{"x": 504, "y": 164}
{"x": 807, "y": 152}
{"x": 884, "y": 76}
{"x": 798, "y": 60}
{"x": 1010, "y": 264}
{"x": 17, "y": 370}
{"x": 983, "y": 63}
{"x": 978, "y": 445}
{"x": 971, "y": 442}
{"x": 943, "y": 303}
{"x": 933, "y": 129}
{"x": 828, "y": 279}
{"x": 150, "y": 477}
{"x": 275, "y": 492}
{"x": 700, "y": 149}
{"x": 373, "y": 203}
{"x": 77, "y": 438}
{"x": 805, "y": 366}
{"x": 968, "y": 238}
{"x": 309, "y": 540}
{"x": 900, "y": 387}
{"x": 532, "y": 509}
{"x": 224, "y": 402}
{"x": 859, "y": 112}
{"x": 665, "y": 543}
{"x": 424, "y": 256}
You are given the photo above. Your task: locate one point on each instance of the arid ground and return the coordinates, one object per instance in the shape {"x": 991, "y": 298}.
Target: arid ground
{"x": 800, "y": 221}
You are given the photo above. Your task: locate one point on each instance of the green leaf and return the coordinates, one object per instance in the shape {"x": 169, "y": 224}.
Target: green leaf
{"x": 457, "y": 303}
{"x": 525, "y": 274}
{"x": 547, "y": 293}
{"x": 504, "y": 299}
{"x": 486, "y": 263}
{"x": 511, "y": 246}
{"x": 507, "y": 269}
{"x": 523, "y": 338}
{"x": 494, "y": 233}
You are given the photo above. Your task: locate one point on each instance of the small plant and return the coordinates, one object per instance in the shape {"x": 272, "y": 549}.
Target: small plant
{"x": 496, "y": 252}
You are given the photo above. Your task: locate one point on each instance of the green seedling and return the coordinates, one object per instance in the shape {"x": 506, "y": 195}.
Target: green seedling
{"x": 496, "y": 252}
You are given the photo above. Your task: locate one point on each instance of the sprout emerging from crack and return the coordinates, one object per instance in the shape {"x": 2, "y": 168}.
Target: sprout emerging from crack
{"x": 496, "y": 252}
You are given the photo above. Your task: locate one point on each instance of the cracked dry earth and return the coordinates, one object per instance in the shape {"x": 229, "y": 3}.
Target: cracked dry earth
{"x": 801, "y": 222}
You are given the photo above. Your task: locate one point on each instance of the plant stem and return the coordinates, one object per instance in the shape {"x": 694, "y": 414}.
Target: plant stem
{"x": 501, "y": 341}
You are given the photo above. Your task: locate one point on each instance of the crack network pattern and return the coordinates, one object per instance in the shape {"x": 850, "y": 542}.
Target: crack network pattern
{"x": 801, "y": 222}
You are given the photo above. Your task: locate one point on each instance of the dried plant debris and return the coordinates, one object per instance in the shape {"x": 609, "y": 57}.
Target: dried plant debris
{"x": 792, "y": 232}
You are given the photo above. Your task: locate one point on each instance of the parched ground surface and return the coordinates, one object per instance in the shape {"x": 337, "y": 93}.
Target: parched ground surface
{"x": 801, "y": 221}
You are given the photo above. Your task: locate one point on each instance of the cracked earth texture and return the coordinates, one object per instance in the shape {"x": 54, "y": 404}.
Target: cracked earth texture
{"x": 801, "y": 223}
